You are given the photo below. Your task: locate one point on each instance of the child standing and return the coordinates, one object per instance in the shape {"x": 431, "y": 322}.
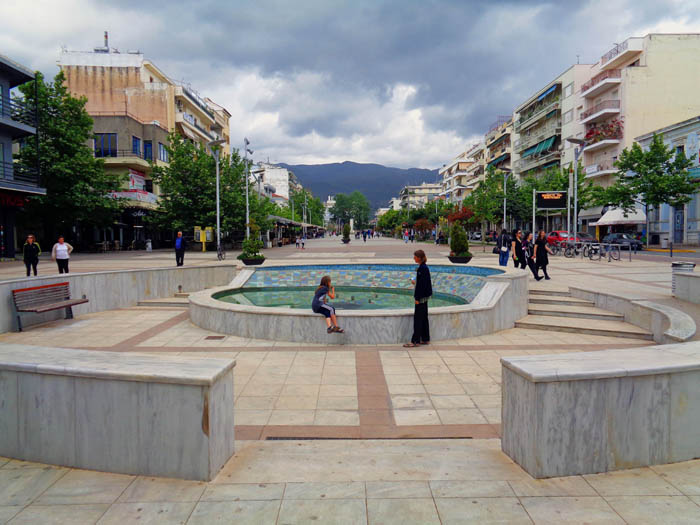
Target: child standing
{"x": 421, "y": 295}
{"x": 320, "y": 306}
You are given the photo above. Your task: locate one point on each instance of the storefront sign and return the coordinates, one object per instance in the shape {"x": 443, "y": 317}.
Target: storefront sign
{"x": 136, "y": 195}
{"x": 137, "y": 180}
{"x": 12, "y": 201}
{"x": 551, "y": 200}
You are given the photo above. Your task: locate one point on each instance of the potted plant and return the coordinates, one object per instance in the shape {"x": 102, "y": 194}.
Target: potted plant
{"x": 459, "y": 245}
{"x": 346, "y": 233}
{"x": 251, "y": 248}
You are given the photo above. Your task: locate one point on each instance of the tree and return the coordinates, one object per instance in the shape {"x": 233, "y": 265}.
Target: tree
{"x": 422, "y": 226}
{"x": 388, "y": 222}
{"x": 315, "y": 208}
{"x": 486, "y": 201}
{"x": 653, "y": 177}
{"x": 78, "y": 191}
{"x": 354, "y": 206}
{"x": 188, "y": 190}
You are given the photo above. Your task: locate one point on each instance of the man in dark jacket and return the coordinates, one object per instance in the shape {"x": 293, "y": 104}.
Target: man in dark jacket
{"x": 421, "y": 295}
{"x": 180, "y": 247}
{"x": 31, "y": 253}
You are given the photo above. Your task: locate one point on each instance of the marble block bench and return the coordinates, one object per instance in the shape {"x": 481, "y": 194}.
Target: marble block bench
{"x": 152, "y": 415}
{"x": 589, "y": 412}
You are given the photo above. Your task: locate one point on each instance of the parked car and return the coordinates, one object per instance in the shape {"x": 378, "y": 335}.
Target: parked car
{"x": 559, "y": 236}
{"x": 586, "y": 237}
{"x": 476, "y": 236}
{"x": 625, "y": 240}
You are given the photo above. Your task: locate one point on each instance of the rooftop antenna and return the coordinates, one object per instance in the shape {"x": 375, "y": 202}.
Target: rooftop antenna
{"x": 578, "y": 61}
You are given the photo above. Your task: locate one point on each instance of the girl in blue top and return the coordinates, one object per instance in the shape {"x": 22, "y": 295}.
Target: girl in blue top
{"x": 319, "y": 305}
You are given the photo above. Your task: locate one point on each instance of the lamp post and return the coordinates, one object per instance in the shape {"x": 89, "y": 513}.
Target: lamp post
{"x": 246, "y": 142}
{"x": 506, "y": 174}
{"x": 577, "y": 153}
{"x": 211, "y": 145}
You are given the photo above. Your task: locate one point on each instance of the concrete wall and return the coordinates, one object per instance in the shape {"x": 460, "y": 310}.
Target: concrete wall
{"x": 688, "y": 287}
{"x": 111, "y": 290}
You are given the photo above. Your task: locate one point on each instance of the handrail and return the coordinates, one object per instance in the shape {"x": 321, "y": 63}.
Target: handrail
{"x": 14, "y": 171}
{"x": 17, "y": 109}
{"x": 605, "y": 104}
{"x": 610, "y": 73}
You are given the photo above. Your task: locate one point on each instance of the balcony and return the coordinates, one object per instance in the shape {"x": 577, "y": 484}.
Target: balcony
{"x": 601, "y": 144}
{"x": 603, "y": 136}
{"x": 124, "y": 157}
{"x": 601, "y": 83}
{"x": 600, "y": 169}
{"x": 188, "y": 123}
{"x": 621, "y": 53}
{"x": 17, "y": 117}
{"x": 539, "y": 135}
{"x": 601, "y": 111}
{"x": 195, "y": 99}
{"x": 18, "y": 177}
{"x": 532, "y": 117}
{"x": 531, "y": 162}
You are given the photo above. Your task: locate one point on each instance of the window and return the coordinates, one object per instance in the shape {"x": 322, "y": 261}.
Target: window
{"x": 136, "y": 146}
{"x": 568, "y": 116}
{"x": 569, "y": 90}
{"x": 148, "y": 185}
{"x": 147, "y": 150}
{"x": 680, "y": 150}
{"x": 162, "y": 153}
{"x": 105, "y": 144}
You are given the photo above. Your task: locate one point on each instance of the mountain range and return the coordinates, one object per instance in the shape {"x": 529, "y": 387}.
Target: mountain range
{"x": 378, "y": 183}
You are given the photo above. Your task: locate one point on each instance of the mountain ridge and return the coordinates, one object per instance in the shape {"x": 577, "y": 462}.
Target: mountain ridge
{"x": 377, "y": 182}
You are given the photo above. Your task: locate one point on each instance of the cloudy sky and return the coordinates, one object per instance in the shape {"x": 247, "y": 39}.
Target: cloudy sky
{"x": 404, "y": 83}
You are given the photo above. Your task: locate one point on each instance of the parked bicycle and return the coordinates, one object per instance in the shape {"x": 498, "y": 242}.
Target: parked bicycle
{"x": 220, "y": 252}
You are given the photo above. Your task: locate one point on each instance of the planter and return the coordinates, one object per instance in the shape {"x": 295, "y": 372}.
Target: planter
{"x": 346, "y": 241}
{"x": 252, "y": 262}
{"x": 459, "y": 260}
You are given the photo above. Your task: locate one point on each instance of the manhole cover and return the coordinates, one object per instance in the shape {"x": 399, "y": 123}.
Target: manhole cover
{"x": 215, "y": 337}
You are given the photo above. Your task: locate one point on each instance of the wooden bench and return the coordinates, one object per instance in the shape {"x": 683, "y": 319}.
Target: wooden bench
{"x": 45, "y": 298}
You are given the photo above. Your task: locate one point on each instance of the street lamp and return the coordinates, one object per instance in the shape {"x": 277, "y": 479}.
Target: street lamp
{"x": 577, "y": 153}
{"x": 211, "y": 145}
{"x": 506, "y": 174}
{"x": 246, "y": 142}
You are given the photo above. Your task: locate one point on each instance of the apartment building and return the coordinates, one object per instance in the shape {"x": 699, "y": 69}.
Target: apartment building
{"x": 498, "y": 144}
{"x": 543, "y": 122}
{"x": 134, "y": 106}
{"x": 278, "y": 182}
{"x": 395, "y": 204}
{"x": 476, "y": 171}
{"x": 680, "y": 225}
{"x": 414, "y": 197}
{"x": 642, "y": 84}
{"x": 454, "y": 178}
{"x": 18, "y": 120}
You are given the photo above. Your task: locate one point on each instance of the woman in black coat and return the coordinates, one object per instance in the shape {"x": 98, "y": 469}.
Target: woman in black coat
{"x": 31, "y": 253}
{"x": 518, "y": 254}
{"x": 421, "y": 295}
{"x": 542, "y": 252}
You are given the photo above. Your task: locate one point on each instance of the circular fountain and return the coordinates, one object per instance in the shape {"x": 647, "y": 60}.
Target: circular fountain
{"x": 374, "y": 302}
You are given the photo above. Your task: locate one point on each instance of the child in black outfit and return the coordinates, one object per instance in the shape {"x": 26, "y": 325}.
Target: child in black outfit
{"x": 319, "y": 305}
{"x": 421, "y": 295}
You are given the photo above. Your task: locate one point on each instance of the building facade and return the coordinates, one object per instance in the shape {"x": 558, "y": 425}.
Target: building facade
{"x": 454, "y": 176}
{"x": 497, "y": 142}
{"x": 679, "y": 225}
{"x": 134, "y": 106}
{"x": 414, "y": 197}
{"x": 18, "y": 120}
{"x": 278, "y": 182}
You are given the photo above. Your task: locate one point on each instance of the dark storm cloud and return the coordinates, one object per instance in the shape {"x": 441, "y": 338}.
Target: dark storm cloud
{"x": 475, "y": 60}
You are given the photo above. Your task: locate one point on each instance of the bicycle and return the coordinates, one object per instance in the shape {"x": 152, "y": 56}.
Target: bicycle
{"x": 571, "y": 250}
{"x": 220, "y": 253}
{"x": 614, "y": 252}
{"x": 556, "y": 248}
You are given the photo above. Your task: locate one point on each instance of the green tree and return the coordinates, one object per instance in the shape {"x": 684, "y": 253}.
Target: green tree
{"x": 653, "y": 177}
{"x": 315, "y": 208}
{"x": 188, "y": 190}
{"x": 486, "y": 201}
{"x": 354, "y": 206}
{"x": 77, "y": 188}
{"x": 388, "y": 222}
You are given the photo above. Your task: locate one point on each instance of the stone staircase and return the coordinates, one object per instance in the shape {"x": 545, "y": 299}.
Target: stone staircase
{"x": 558, "y": 311}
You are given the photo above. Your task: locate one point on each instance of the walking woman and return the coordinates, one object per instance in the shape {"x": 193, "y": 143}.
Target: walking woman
{"x": 528, "y": 249}
{"x": 421, "y": 295}
{"x": 541, "y": 253}
{"x": 518, "y": 254}
{"x": 61, "y": 254}
{"x": 503, "y": 244}
{"x": 31, "y": 253}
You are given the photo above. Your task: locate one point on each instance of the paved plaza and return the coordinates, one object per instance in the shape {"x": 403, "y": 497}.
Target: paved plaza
{"x": 353, "y": 434}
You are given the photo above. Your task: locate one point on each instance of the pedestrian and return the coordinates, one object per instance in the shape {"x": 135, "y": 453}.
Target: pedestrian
{"x": 405, "y": 236}
{"x": 297, "y": 244}
{"x": 303, "y": 241}
{"x": 503, "y": 244}
{"x": 528, "y": 249}
{"x": 518, "y": 254}
{"x": 541, "y": 253}
{"x": 421, "y": 295}
{"x": 31, "y": 253}
{"x": 320, "y": 305}
{"x": 180, "y": 247}
{"x": 364, "y": 236}
{"x": 61, "y": 253}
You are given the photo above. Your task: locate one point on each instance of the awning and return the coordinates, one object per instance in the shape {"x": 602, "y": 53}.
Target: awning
{"x": 591, "y": 213}
{"x": 550, "y": 114}
{"x": 499, "y": 159}
{"x": 547, "y": 92}
{"x": 498, "y": 140}
{"x": 188, "y": 133}
{"x": 529, "y": 151}
{"x": 616, "y": 216}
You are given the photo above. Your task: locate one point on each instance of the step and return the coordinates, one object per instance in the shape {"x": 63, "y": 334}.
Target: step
{"x": 182, "y": 294}
{"x": 543, "y": 291}
{"x": 559, "y": 300}
{"x": 583, "y": 326}
{"x": 166, "y": 301}
{"x": 580, "y": 312}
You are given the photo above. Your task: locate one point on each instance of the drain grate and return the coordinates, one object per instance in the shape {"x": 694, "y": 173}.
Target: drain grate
{"x": 215, "y": 337}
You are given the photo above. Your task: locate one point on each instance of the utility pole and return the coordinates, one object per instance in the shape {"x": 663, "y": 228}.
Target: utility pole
{"x": 246, "y": 142}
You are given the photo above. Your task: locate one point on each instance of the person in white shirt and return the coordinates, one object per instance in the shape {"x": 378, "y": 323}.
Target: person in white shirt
{"x": 61, "y": 253}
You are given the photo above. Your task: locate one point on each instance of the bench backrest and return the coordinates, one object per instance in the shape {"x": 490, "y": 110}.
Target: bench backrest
{"x": 37, "y": 295}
